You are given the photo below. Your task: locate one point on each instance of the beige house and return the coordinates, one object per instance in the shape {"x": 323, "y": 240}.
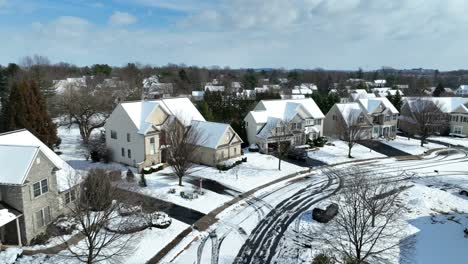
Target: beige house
{"x": 376, "y": 113}
{"x": 218, "y": 142}
{"x": 348, "y": 114}
{"x": 36, "y": 186}
{"x": 459, "y": 121}
{"x": 135, "y": 130}
{"x": 265, "y": 124}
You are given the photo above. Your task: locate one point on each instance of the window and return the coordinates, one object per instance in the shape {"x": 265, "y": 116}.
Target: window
{"x": 129, "y": 153}
{"x": 387, "y": 118}
{"x": 457, "y": 130}
{"x": 123, "y": 152}
{"x": 395, "y": 117}
{"x": 152, "y": 146}
{"x": 42, "y": 217}
{"x": 113, "y": 134}
{"x": 318, "y": 122}
{"x": 299, "y": 126}
{"x": 235, "y": 151}
{"x": 40, "y": 188}
{"x": 70, "y": 196}
{"x": 376, "y": 130}
{"x": 128, "y": 137}
{"x": 334, "y": 117}
{"x": 361, "y": 119}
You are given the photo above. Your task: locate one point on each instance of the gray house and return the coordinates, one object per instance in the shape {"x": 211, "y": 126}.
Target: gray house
{"x": 35, "y": 187}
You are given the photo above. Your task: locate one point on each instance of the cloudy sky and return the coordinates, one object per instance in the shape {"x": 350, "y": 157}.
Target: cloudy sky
{"x": 331, "y": 34}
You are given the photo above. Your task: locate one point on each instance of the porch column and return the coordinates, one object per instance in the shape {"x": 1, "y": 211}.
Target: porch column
{"x": 18, "y": 231}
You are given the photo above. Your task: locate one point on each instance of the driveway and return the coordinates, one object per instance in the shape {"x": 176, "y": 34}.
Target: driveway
{"x": 382, "y": 148}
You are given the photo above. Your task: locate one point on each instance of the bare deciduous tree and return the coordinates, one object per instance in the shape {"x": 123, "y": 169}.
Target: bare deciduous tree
{"x": 182, "y": 144}
{"x": 282, "y": 134}
{"x": 427, "y": 118}
{"x": 93, "y": 207}
{"x": 368, "y": 224}
{"x": 352, "y": 129}
{"x": 88, "y": 107}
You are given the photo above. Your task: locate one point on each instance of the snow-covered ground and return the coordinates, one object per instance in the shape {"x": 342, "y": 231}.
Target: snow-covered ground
{"x": 411, "y": 146}
{"x": 258, "y": 170}
{"x": 337, "y": 151}
{"x": 452, "y": 140}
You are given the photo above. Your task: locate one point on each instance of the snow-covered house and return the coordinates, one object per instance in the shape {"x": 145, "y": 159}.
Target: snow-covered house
{"x": 36, "y": 186}
{"x": 380, "y": 83}
{"x": 462, "y": 90}
{"x": 305, "y": 88}
{"x": 198, "y": 95}
{"x": 450, "y": 108}
{"x": 135, "y": 130}
{"x": 153, "y": 88}
{"x": 214, "y": 88}
{"x": 357, "y": 94}
{"x": 236, "y": 86}
{"x": 60, "y": 86}
{"x": 348, "y": 114}
{"x": 382, "y": 114}
{"x": 381, "y": 117}
{"x": 264, "y": 123}
{"x": 447, "y": 91}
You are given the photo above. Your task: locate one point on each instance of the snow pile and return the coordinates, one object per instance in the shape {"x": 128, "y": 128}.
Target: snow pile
{"x": 337, "y": 151}
{"x": 10, "y": 255}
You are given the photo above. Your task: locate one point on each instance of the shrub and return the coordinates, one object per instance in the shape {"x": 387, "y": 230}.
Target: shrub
{"x": 322, "y": 259}
{"x": 130, "y": 176}
{"x": 320, "y": 142}
{"x": 143, "y": 181}
{"x": 244, "y": 159}
{"x": 40, "y": 239}
{"x": 95, "y": 157}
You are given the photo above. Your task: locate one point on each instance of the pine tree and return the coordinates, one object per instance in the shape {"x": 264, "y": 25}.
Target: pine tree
{"x": 397, "y": 101}
{"x": 4, "y": 93}
{"x": 438, "y": 90}
{"x": 206, "y": 111}
{"x": 27, "y": 109}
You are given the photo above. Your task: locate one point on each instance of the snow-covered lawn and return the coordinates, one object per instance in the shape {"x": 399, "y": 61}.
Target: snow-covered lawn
{"x": 452, "y": 140}
{"x": 337, "y": 151}
{"x": 258, "y": 170}
{"x": 411, "y": 146}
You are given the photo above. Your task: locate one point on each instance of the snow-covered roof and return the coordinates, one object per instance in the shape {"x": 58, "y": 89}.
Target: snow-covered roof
{"x": 446, "y": 104}
{"x": 287, "y": 109}
{"x": 267, "y": 130}
{"x": 360, "y": 94}
{"x": 463, "y": 87}
{"x": 6, "y": 216}
{"x": 15, "y": 162}
{"x": 198, "y": 93}
{"x": 349, "y": 111}
{"x": 380, "y": 81}
{"x": 371, "y": 104}
{"x": 214, "y": 88}
{"x": 211, "y": 133}
{"x": 261, "y": 89}
{"x": 66, "y": 175}
{"x": 61, "y": 86}
{"x": 301, "y": 90}
{"x": 140, "y": 111}
{"x": 394, "y": 91}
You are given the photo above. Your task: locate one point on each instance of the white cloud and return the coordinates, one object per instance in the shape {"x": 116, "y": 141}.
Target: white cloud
{"x": 122, "y": 18}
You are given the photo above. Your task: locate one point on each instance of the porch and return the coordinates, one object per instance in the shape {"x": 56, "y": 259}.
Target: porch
{"x": 10, "y": 230}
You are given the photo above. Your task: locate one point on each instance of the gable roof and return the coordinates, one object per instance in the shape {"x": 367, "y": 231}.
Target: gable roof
{"x": 360, "y": 94}
{"x": 446, "y": 104}
{"x": 23, "y": 137}
{"x": 349, "y": 111}
{"x": 287, "y": 109}
{"x": 140, "y": 111}
{"x": 15, "y": 162}
{"x": 371, "y": 104}
{"x": 211, "y": 133}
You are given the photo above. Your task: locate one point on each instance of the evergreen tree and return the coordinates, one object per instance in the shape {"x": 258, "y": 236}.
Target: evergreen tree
{"x": 4, "y": 93}
{"x": 206, "y": 111}
{"x": 397, "y": 101}
{"x": 438, "y": 90}
{"x": 27, "y": 108}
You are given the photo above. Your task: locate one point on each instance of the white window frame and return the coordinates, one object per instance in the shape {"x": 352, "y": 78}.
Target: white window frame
{"x": 114, "y": 134}
{"x": 70, "y": 196}
{"x": 42, "y": 186}
{"x": 44, "y": 219}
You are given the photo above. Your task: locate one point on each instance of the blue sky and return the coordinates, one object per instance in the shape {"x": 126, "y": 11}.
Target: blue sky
{"x": 332, "y": 34}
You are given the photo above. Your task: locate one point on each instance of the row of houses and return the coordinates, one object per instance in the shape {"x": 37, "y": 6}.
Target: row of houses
{"x": 36, "y": 184}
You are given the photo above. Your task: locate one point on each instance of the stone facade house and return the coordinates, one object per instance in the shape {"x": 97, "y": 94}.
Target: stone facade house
{"x": 36, "y": 186}
{"x": 135, "y": 130}
{"x": 265, "y": 124}
{"x": 381, "y": 115}
{"x": 451, "y": 109}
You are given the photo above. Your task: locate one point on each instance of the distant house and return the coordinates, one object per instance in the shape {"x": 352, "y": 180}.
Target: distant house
{"x": 447, "y": 91}
{"x": 462, "y": 90}
{"x": 198, "y": 95}
{"x": 451, "y": 108}
{"x": 153, "y": 88}
{"x": 381, "y": 117}
{"x": 401, "y": 86}
{"x": 214, "y": 88}
{"x": 386, "y": 91}
{"x": 348, "y": 114}
{"x": 380, "y": 83}
{"x": 36, "y": 186}
{"x": 236, "y": 86}
{"x": 357, "y": 94}
{"x": 304, "y": 89}
{"x": 135, "y": 130}
{"x": 262, "y": 124}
